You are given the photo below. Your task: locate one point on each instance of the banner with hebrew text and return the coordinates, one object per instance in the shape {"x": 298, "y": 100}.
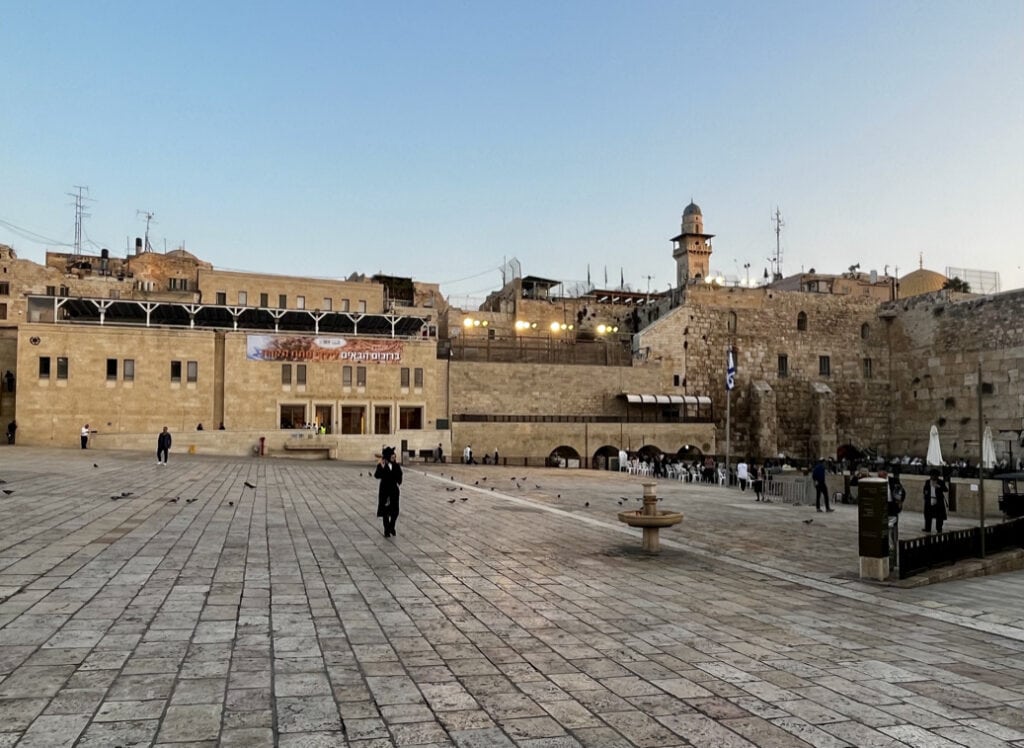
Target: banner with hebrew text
{"x": 320, "y": 348}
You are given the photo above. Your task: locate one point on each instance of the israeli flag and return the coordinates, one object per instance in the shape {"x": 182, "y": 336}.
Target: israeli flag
{"x": 730, "y": 372}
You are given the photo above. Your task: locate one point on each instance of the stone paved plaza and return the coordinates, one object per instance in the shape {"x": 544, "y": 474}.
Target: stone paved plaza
{"x": 512, "y": 609}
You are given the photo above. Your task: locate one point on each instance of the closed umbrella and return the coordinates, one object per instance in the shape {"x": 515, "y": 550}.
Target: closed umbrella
{"x": 988, "y": 451}
{"x": 934, "y": 451}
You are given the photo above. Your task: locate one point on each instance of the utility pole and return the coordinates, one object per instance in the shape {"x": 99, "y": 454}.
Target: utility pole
{"x": 80, "y": 195}
{"x": 981, "y": 462}
{"x": 777, "y": 260}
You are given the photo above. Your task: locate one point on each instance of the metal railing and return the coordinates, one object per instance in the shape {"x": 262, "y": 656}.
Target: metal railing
{"x": 920, "y": 554}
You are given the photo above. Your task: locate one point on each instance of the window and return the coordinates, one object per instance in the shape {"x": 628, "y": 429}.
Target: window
{"x": 405, "y": 377}
{"x": 868, "y": 373}
{"x": 128, "y": 370}
{"x": 65, "y": 291}
{"x": 344, "y": 305}
{"x": 286, "y": 373}
{"x": 264, "y": 300}
{"x": 410, "y": 418}
{"x": 865, "y": 330}
{"x": 176, "y": 284}
{"x": 192, "y": 371}
{"x": 111, "y": 369}
{"x": 243, "y": 298}
{"x": 300, "y": 374}
{"x": 176, "y": 371}
{"x": 783, "y": 365}
{"x": 44, "y": 367}
{"x": 51, "y": 290}
{"x": 361, "y": 307}
{"x": 3, "y": 311}
{"x": 417, "y": 377}
{"x": 5, "y": 288}
{"x": 326, "y": 304}
{"x": 346, "y": 376}
{"x": 801, "y": 321}
{"x": 360, "y": 376}
{"x": 730, "y": 322}
{"x": 300, "y": 302}
{"x": 282, "y": 301}
{"x": 62, "y": 367}
{"x": 293, "y": 416}
{"x": 824, "y": 366}
{"x": 352, "y": 419}
{"x": 382, "y": 419}
{"x": 222, "y": 298}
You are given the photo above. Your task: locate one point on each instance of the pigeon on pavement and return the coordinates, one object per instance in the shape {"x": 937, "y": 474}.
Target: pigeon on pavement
{"x": 250, "y": 485}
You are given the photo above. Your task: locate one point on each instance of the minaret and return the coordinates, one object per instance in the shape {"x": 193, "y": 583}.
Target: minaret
{"x": 692, "y": 248}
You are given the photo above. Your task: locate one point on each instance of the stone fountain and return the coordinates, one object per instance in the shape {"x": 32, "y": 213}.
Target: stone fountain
{"x": 650, "y": 518}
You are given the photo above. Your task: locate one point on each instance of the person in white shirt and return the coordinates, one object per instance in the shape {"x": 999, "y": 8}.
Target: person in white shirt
{"x": 742, "y": 474}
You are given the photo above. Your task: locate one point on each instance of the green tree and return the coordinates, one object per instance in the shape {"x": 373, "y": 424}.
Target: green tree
{"x": 955, "y": 284}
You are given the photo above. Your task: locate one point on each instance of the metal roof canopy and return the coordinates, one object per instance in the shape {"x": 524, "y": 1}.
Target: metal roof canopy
{"x": 666, "y": 399}
{"x": 214, "y": 316}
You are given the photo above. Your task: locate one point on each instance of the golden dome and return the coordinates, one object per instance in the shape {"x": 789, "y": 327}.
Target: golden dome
{"x": 921, "y": 281}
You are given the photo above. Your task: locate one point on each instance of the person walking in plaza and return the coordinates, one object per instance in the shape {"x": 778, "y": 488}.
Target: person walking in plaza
{"x": 163, "y": 446}
{"x": 467, "y": 455}
{"x": 439, "y": 453}
{"x": 85, "y": 436}
{"x": 389, "y": 473}
{"x": 742, "y": 474}
{"x": 12, "y": 429}
{"x": 934, "y": 502}
{"x": 820, "y": 486}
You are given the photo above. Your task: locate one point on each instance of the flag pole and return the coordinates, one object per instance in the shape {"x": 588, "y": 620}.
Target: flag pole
{"x": 730, "y": 382}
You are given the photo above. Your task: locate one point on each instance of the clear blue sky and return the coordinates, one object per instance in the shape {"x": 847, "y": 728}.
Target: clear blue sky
{"x": 437, "y": 139}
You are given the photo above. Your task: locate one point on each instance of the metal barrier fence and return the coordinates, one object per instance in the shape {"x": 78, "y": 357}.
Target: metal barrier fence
{"x": 789, "y": 491}
{"x": 920, "y": 554}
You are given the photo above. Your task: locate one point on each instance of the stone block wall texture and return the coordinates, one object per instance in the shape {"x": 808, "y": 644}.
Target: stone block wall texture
{"x": 760, "y": 325}
{"x": 51, "y": 411}
{"x": 313, "y": 291}
{"x": 937, "y": 345}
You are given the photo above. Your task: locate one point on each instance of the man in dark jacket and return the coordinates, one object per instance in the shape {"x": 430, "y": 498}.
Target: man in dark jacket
{"x": 389, "y": 473}
{"x": 820, "y": 486}
{"x": 934, "y": 502}
{"x": 163, "y": 446}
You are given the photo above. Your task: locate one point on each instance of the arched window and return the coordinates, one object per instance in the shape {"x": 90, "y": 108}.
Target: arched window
{"x": 801, "y": 321}
{"x": 865, "y": 330}
{"x": 730, "y": 322}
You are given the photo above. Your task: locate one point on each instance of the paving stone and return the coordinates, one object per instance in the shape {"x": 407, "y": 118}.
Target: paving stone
{"x": 517, "y": 624}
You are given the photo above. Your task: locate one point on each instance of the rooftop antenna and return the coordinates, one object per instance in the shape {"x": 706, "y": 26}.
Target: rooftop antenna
{"x": 777, "y": 260}
{"x": 81, "y": 194}
{"x": 148, "y": 215}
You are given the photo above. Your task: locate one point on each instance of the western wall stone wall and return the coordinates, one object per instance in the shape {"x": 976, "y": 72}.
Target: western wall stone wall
{"x": 937, "y": 344}
{"x": 549, "y": 389}
{"x": 760, "y": 324}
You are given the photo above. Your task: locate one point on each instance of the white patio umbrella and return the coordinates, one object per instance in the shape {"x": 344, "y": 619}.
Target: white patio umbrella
{"x": 988, "y": 451}
{"x": 934, "y": 451}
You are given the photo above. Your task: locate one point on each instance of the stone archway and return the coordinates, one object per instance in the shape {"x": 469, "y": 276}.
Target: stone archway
{"x": 564, "y": 456}
{"x": 689, "y": 453}
{"x": 605, "y": 458}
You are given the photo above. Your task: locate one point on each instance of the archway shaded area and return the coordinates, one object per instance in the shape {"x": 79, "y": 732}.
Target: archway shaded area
{"x": 564, "y": 456}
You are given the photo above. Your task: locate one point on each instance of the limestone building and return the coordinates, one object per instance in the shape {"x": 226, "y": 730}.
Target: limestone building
{"x": 826, "y": 364}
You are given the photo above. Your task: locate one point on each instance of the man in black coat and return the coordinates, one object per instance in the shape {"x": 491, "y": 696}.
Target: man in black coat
{"x": 163, "y": 446}
{"x": 934, "y": 502}
{"x": 389, "y": 473}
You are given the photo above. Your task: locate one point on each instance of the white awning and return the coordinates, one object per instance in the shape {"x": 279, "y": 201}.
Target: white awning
{"x": 702, "y": 400}
{"x": 646, "y": 399}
